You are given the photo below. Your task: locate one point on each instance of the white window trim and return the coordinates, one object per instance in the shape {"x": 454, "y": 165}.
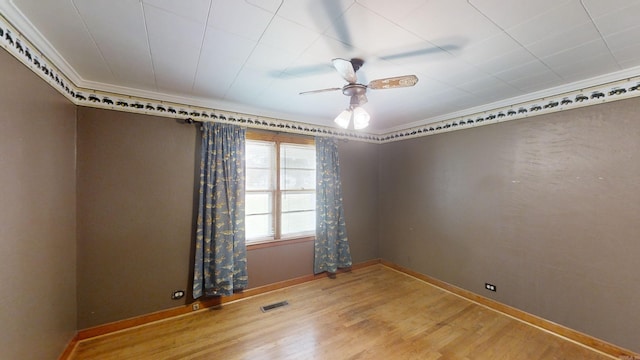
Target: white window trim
{"x": 278, "y": 239}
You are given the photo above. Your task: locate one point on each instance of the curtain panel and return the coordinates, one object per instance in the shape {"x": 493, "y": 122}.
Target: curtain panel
{"x": 220, "y": 265}
{"x": 331, "y": 249}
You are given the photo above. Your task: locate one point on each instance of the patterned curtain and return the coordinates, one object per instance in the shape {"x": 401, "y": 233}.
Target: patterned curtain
{"x": 331, "y": 245}
{"x": 220, "y": 256}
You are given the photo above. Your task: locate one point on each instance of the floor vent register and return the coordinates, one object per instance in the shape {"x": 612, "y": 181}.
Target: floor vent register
{"x": 274, "y": 306}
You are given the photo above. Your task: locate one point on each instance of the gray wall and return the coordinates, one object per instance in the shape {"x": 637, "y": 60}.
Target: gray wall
{"x": 136, "y": 178}
{"x": 544, "y": 208}
{"x": 37, "y": 216}
{"x": 360, "y": 192}
{"x": 135, "y": 206}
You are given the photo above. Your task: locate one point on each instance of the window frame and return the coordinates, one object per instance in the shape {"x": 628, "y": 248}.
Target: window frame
{"x": 278, "y": 139}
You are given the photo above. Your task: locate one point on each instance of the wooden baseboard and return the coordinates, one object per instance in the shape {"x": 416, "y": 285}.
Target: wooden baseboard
{"x": 71, "y": 347}
{"x": 560, "y": 330}
{"x": 204, "y": 304}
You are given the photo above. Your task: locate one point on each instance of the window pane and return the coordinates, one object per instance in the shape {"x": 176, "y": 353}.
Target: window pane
{"x": 259, "y": 179}
{"x": 260, "y": 175}
{"x": 298, "y": 201}
{"x": 298, "y": 222}
{"x": 260, "y": 165}
{"x": 279, "y": 176}
{"x": 258, "y": 203}
{"x": 296, "y": 156}
{"x": 259, "y": 154}
{"x": 297, "y": 179}
{"x": 258, "y": 227}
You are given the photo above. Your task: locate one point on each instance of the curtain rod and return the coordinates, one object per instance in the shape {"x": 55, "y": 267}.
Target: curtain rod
{"x": 188, "y": 121}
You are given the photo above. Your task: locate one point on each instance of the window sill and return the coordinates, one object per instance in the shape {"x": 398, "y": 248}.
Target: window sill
{"x": 279, "y": 242}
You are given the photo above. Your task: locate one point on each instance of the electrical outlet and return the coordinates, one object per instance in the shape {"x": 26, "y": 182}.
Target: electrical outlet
{"x": 178, "y": 294}
{"x": 195, "y": 306}
{"x": 490, "y": 287}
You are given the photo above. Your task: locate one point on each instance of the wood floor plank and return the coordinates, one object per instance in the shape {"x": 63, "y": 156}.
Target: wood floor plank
{"x": 370, "y": 313}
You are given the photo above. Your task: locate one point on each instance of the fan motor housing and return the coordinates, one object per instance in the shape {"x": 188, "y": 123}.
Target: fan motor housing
{"x": 354, "y": 89}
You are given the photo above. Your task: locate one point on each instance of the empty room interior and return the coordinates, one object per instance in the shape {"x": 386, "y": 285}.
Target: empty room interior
{"x": 319, "y": 179}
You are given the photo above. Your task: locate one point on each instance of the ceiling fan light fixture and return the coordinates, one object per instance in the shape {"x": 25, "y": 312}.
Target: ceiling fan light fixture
{"x": 360, "y": 118}
{"x": 357, "y": 92}
{"x": 343, "y": 119}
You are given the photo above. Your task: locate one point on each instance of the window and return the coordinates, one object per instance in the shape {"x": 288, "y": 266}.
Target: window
{"x": 280, "y": 196}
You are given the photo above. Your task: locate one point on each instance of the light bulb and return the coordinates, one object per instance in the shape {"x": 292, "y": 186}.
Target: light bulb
{"x": 360, "y": 118}
{"x": 343, "y": 119}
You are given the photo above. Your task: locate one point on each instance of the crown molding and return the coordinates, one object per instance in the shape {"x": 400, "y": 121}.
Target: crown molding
{"x": 9, "y": 13}
{"x": 52, "y": 68}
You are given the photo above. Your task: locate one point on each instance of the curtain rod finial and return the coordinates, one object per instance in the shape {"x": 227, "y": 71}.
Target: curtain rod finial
{"x": 187, "y": 121}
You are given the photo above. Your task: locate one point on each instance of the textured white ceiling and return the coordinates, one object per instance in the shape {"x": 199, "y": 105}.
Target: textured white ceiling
{"x": 255, "y": 56}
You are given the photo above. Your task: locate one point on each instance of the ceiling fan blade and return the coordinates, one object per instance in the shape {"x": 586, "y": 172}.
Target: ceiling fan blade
{"x": 345, "y": 69}
{"x": 335, "y": 12}
{"x": 300, "y": 71}
{"x": 393, "y": 82}
{"x": 319, "y": 91}
{"x": 421, "y": 52}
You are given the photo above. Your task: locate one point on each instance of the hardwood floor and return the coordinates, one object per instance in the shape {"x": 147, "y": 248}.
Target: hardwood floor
{"x": 371, "y": 313}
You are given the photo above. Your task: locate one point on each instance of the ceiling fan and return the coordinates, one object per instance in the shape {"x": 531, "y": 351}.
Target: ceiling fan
{"x": 357, "y": 92}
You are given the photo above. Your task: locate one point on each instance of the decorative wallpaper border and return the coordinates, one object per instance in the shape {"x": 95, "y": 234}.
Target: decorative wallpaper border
{"x": 611, "y": 91}
{"x": 22, "y": 49}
